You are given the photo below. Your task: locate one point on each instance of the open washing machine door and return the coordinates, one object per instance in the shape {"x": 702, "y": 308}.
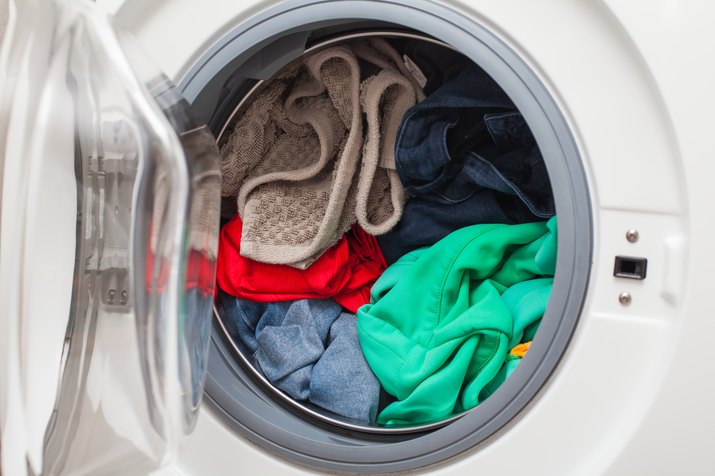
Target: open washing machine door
{"x": 626, "y": 387}
{"x": 108, "y": 241}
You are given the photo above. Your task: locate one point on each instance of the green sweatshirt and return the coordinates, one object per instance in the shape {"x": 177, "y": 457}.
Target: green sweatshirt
{"x": 442, "y": 319}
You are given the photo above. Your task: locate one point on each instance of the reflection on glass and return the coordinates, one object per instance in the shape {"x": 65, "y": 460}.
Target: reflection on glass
{"x": 145, "y": 175}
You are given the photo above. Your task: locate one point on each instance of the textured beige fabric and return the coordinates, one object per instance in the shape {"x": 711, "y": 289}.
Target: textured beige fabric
{"x": 4, "y": 13}
{"x": 205, "y": 188}
{"x": 380, "y": 196}
{"x": 299, "y": 162}
{"x": 199, "y": 144}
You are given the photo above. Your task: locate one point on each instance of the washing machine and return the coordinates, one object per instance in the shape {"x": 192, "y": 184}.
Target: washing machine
{"x": 113, "y": 359}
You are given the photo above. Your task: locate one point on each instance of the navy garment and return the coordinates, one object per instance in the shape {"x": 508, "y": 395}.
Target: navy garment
{"x": 309, "y": 349}
{"x": 466, "y": 156}
{"x": 437, "y": 63}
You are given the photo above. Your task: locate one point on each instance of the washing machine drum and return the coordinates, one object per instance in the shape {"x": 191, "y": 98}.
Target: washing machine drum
{"x": 228, "y": 94}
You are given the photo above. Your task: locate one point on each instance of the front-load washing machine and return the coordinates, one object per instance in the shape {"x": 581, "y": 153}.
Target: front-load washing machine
{"x": 110, "y": 344}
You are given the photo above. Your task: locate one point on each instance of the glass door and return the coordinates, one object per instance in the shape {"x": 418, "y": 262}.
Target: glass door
{"x": 108, "y": 232}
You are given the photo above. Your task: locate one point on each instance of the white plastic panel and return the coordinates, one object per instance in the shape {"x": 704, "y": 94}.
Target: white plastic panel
{"x": 637, "y": 94}
{"x": 663, "y": 241}
{"x": 108, "y": 235}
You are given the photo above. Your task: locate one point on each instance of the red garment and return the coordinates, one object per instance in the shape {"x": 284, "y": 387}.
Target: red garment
{"x": 345, "y": 272}
{"x": 199, "y": 273}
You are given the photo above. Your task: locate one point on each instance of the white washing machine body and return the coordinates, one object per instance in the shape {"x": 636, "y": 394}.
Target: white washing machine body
{"x": 632, "y": 81}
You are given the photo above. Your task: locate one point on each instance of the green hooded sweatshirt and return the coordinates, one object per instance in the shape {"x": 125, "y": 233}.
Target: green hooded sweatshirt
{"x": 442, "y": 319}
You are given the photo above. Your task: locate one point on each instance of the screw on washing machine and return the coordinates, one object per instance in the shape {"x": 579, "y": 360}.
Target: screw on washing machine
{"x": 632, "y": 235}
{"x": 624, "y": 298}
{"x": 110, "y": 295}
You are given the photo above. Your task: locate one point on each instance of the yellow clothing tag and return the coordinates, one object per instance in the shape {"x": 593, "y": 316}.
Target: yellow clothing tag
{"x": 520, "y": 350}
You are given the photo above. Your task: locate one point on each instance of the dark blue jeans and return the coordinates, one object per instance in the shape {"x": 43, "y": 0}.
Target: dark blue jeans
{"x": 437, "y": 63}
{"x": 466, "y": 156}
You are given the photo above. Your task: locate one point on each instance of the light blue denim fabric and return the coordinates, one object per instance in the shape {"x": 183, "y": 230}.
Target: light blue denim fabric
{"x": 197, "y": 327}
{"x": 342, "y": 380}
{"x": 309, "y": 349}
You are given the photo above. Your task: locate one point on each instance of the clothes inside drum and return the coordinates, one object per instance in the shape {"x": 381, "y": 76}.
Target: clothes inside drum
{"x": 389, "y": 235}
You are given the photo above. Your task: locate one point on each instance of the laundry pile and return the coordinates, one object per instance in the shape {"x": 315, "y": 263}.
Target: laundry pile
{"x": 393, "y": 245}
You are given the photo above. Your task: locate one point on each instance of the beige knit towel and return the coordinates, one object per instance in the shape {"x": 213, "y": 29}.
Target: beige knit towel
{"x": 380, "y": 195}
{"x": 292, "y": 160}
{"x": 204, "y": 192}
{"x": 204, "y": 217}
{"x": 292, "y": 208}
